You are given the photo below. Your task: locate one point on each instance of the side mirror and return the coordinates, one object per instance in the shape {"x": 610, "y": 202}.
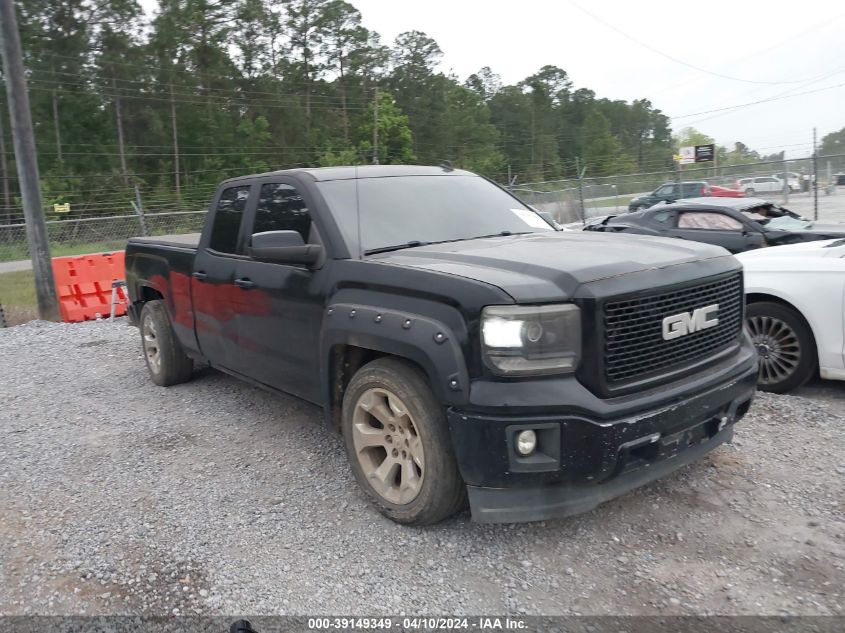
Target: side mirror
{"x": 283, "y": 247}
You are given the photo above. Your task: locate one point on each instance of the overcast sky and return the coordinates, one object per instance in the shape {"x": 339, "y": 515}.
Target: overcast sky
{"x": 795, "y": 47}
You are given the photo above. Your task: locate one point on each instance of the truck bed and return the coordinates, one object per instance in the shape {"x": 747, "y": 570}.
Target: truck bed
{"x": 182, "y": 240}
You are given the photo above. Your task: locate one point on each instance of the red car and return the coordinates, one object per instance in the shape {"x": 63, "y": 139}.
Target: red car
{"x": 724, "y": 192}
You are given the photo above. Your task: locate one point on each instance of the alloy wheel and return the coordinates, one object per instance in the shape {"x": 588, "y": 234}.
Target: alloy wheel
{"x": 778, "y": 348}
{"x": 151, "y": 348}
{"x": 388, "y": 446}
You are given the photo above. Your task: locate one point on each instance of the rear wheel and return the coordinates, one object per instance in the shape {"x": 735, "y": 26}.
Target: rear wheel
{"x": 749, "y": 192}
{"x": 166, "y": 360}
{"x": 398, "y": 443}
{"x": 784, "y": 346}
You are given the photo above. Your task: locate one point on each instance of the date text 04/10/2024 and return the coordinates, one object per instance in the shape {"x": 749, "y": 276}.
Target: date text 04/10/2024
{"x": 481, "y": 623}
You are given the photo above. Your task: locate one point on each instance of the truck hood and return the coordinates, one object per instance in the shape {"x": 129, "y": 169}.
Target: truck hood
{"x": 550, "y": 266}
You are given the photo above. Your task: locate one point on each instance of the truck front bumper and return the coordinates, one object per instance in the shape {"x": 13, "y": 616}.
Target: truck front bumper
{"x": 582, "y": 460}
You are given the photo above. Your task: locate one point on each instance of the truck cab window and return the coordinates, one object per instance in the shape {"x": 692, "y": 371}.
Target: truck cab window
{"x": 282, "y": 208}
{"x": 227, "y": 219}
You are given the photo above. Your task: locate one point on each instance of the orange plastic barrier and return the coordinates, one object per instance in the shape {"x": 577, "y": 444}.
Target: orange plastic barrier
{"x": 84, "y": 285}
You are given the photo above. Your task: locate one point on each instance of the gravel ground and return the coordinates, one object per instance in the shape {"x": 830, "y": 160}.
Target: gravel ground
{"x": 213, "y": 497}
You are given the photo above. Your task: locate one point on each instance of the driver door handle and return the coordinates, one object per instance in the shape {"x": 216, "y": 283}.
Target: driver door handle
{"x": 199, "y": 275}
{"x": 244, "y": 283}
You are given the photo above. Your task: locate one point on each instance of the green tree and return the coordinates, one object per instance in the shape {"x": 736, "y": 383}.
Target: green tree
{"x": 344, "y": 38}
{"x": 833, "y": 143}
{"x": 473, "y": 138}
{"x": 395, "y": 139}
{"x": 305, "y": 26}
{"x": 689, "y": 136}
{"x": 602, "y": 151}
{"x": 485, "y": 83}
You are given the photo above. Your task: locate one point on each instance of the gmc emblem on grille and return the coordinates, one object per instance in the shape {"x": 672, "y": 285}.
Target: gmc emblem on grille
{"x": 679, "y": 325}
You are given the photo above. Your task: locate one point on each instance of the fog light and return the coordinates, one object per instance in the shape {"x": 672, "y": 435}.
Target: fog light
{"x": 526, "y": 442}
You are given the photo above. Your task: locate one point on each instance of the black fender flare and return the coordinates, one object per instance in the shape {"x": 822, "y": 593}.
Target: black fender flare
{"x": 420, "y": 339}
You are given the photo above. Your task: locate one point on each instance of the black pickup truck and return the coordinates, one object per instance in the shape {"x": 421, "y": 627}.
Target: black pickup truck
{"x": 466, "y": 350}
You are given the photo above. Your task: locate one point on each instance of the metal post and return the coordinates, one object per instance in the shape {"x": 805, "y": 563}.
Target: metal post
{"x": 785, "y": 181}
{"x": 580, "y": 173}
{"x": 375, "y": 128}
{"x": 27, "y": 163}
{"x": 815, "y": 178}
{"x": 680, "y": 181}
{"x": 139, "y": 210}
{"x": 616, "y": 195}
{"x": 830, "y": 188}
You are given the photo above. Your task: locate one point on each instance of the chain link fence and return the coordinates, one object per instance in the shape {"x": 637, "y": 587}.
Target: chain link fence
{"x": 816, "y": 188}
{"x": 813, "y": 188}
{"x": 91, "y": 227}
{"x": 92, "y": 235}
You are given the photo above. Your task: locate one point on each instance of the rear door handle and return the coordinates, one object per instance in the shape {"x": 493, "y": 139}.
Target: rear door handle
{"x": 199, "y": 275}
{"x": 244, "y": 283}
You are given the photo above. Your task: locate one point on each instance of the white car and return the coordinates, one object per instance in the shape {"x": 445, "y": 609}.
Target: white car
{"x": 793, "y": 180}
{"x": 795, "y": 297}
{"x": 759, "y": 184}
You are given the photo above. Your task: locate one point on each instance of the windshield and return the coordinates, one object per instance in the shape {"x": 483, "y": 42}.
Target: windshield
{"x": 413, "y": 210}
{"x": 785, "y": 223}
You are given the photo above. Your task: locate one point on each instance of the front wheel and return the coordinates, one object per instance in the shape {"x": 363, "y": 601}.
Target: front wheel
{"x": 749, "y": 193}
{"x": 784, "y": 345}
{"x": 166, "y": 360}
{"x": 398, "y": 443}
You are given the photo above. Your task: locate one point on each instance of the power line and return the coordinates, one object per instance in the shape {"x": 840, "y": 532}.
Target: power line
{"x": 675, "y": 59}
{"x": 45, "y": 76}
{"x": 751, "y": 103}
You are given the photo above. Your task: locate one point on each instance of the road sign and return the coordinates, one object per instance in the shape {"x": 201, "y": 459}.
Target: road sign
{"x": 687, "y": 155}
{"x": 696, "y": 154}
{"x": 705, "y": 153}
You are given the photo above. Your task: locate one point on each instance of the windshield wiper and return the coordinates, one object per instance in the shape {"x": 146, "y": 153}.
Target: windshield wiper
{"x": 415, "y": 243}
{"x": 397, "y": 247}
{"x": 499, "y": 234}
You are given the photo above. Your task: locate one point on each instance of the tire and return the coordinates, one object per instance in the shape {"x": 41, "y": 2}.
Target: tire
{"x": 749, "y": 193}
{"x": 166, "y": 360}
{"x": 785, "y": 346}
{"x": 402, "y": 456}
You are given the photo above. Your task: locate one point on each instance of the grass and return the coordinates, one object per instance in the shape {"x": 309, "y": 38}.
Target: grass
{"x": 622, "y": 201}
{"x": 15, "y": 252}
{"x": 17, "y": 296}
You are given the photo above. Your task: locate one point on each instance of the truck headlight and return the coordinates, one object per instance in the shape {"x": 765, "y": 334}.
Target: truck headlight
{"x": 531, "y": 340}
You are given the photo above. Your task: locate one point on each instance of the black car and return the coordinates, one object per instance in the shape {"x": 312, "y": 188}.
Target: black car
{"x": 669, "y": 192}
{"x": 737, "y": 224}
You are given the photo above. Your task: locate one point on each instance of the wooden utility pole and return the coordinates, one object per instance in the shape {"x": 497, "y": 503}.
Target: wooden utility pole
{"x": 4, "y": 167}
{"x": 57, "y": 127}
{"x": 375, "y": 128}
{"x": 27, "y": 162}
{"x": 120, "y": 144}
{"x": 175, "y": 144}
